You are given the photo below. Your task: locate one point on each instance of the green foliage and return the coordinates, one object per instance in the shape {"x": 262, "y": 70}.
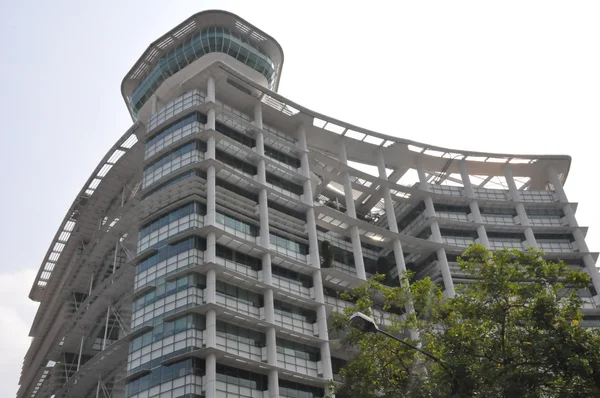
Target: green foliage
{"x": 513, "y": 332}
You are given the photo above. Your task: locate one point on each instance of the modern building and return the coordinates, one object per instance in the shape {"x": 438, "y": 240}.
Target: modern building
{"x": 189, "y": 264}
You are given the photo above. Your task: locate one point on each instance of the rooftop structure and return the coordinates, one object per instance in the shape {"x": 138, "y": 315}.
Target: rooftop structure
{"x": 189, "y": 263}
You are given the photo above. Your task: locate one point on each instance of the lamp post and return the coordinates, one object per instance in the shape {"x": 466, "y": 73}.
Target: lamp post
{"x": 366, "y": 324}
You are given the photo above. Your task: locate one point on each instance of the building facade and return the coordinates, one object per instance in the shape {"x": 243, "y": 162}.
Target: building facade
{"x": 189, "y": 264}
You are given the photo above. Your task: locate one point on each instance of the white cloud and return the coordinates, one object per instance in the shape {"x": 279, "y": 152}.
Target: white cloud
{"x": 16, "y": 315}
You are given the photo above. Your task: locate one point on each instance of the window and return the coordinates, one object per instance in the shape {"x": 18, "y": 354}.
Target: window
{"x": 298, "y": 350}
{"x": 210, "y": 39}
{"x": 286, "y": 210}
{"x": 300, "y": 279}
{"x": 241, "y": 334}
{"x": 168, "y": 288}
{"x": 240, "y": 295}
{"x": 187, "y": 209}
{"x": 284, "y": 184}
{"x": 163, "y": 374}
{"x": 242, "y": 378}
{"x": 286, "y": 243}
{"x": 235, "y": 189}
{"x": 290, "y": 389}
{"x": 236, "y": 163}
{"x": 235, "y": 223}
{"x": 165, "y": 329}
{"x": 194, "y": 117}
{"x": 282, "y": 157}
{"x": 235, "y": 135}
{"x": 239, "y": 257}
{"x": 295, "y": 312}
{"x": 175, "y": 180}
{"x": 174, "y": 154}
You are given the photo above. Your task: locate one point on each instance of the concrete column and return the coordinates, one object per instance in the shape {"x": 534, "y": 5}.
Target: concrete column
{"x": 210, "y": 254}
{"x": 154, "y": 102}
{"x": 473, "y": 205}
{"x": 210, "y": 97}
{"x": 271, "y": 342}
{"x": 391, "y": 215}
{"x": 210, "y": 293}
{"x": 351, "y": 212}
{"x": 211, "y": 120}
{"x": 516, "y": 197}
{"x": 265, "y": 241}
{"x": 260, "y": 146}
{"x": 271, "y": 347}
{"x": 210, "y": 334}
{"x": 273, "y": 384}
{"x": 263, "y": 214}
{"x": 258, "y": 120}
{"x": 435, "y": 230}
{"x": 211, "y": 196}
{"x": 210, "y": 89}
{"x": 350, "y": 208}
{"x": 588, "y": 260}
{"x": 210, "y": 378}
{"x": 210, "y": 148}
{"x": 314, "y": 257}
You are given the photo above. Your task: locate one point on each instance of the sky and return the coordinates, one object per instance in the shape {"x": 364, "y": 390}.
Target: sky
{"x": 511, "y": 76}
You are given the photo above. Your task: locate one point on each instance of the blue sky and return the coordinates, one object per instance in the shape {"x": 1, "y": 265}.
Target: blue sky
{"x": 512, "y": 76}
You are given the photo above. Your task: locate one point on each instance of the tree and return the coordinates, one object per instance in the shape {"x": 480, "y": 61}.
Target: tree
{"x": 512, "y": 332}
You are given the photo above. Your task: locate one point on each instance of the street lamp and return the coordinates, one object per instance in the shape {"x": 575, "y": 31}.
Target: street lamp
{"x": 366, "y": 324}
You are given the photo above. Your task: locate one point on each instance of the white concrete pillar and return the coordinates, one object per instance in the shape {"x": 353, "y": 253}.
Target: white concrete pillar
{"x": 359, "y": 263}
{"x": 435, "y": 231}
{"x": 473, "y": 205}
{"x": 210, "y": 254}
{"x": 263, "y": 214}
{"x": 314, "y": 257}
{"x": 391, "y": 215}
{"x": 211, "y": 120}
{"x": 350, "y": 208}
{"x": 210, "y": 378}
{"x": 154, "y": 102}
{"x": 210, "y": 292}
{"x": 588, "y": 260}
{"x": 258, "y": 120}
{"x": 271, "y": 340}
{"x": 516, "y": 197}
{"x": 269, "y": 303}
{"x": 211, "y": 196}
{"x": 260, "y": 143}
{"x": 210, "y": 97}
{"x": 210, "y": 89}
{"x": 322, "y": 325}
{"x": 210, "y": 334}
{"x": 211, "y": 148}
{"x": 273, "y": 384}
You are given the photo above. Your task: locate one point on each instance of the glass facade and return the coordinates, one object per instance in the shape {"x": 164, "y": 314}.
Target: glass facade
{"x": 209, "y": 40}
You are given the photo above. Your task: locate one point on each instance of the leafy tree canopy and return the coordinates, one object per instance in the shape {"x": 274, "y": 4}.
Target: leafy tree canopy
{"x": 512, "y": 332}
